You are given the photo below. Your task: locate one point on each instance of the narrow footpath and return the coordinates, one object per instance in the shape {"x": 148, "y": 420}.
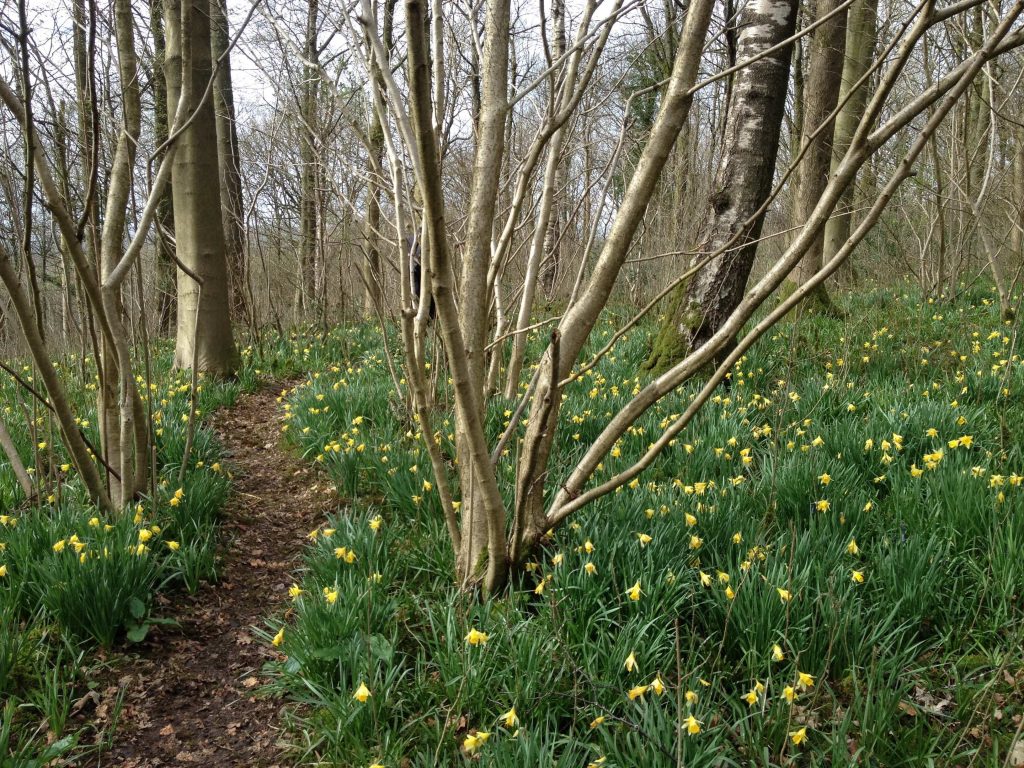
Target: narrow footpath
{"x": 191, "y": 694}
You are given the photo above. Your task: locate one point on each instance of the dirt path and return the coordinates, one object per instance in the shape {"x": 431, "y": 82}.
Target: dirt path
{"x": 190, "y": 694}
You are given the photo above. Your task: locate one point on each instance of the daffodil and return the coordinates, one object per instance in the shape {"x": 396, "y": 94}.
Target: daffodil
{"x": 777, "y": 654}
{"x": 657, "y": 685}
{"x": 692, "y": 725}
{"x": 278, "y": 640}
{"x": 630, "y": 663}
{"x": 784, "y": 594}
{"x": 510, "y": 718}
{"x": 476, "y": 637}
{"x": 789, "y": 693}
{"x": 295, "y": 590}
{"x": 475, "y": 740}
{"x": 806, "y": 681}
{"x": 362, "y": 693}
{"x": 636, "y": 692}
{"x": 691, "y": 697}
{"x": 857, "y": 576}
{"x": 634, "y": 592}
{"x": 798, "y": 736}
{"x": 590, "y": 568}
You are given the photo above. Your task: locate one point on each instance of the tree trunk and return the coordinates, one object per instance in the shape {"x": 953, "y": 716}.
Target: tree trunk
{"x": 553, "y": 238}
{"x": 204, "y": 316}
{"x": 1018, "y": 199}
{"x": 166, "y": 295}
{"x": 860, "y": 51}
{"x": 309, "y": 222}
{"x": 14, "y": 459}
{"x": 227, "y": 158}
{"x": 372, "y": 275}
{"x": 821, "y": 95}
{"x": 482, "y": 558}
{"x": 698, "y": 308}
{"x": 576, "y": 324}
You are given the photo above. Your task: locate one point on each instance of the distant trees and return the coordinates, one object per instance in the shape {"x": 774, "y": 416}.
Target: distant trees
{"x": 550, "y": 168}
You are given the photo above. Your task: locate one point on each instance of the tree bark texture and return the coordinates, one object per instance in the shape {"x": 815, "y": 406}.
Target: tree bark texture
{"x": 204, "y": 315}
{"x": 698, "y": 308}
{"x": 821, "y": 95}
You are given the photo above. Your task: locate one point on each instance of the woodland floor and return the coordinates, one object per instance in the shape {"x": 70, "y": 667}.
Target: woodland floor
{"x": 190, "y": 691}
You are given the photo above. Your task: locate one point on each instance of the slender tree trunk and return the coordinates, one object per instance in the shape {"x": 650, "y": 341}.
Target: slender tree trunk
{"x": 309, "y": 222}
{"x": 73, "y": 440}
{"x": 821, "y": 95}
{"x": 204, "y": 316}
{"x": 860, "y": 50}
{"x": 11, "y": 452}
{"x": 228, "y": 162}
{"x": 553, "y": 245}
{"x": 166, "y": 293}
{"x": 699, "y": 307}
{"x": 530, "y": 520}
{"x": 372, "y": 275}
{"x": 1017, "y": 240}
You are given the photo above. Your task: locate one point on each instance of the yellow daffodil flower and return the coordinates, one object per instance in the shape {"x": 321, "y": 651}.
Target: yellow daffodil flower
{"x": 362, "y": 693}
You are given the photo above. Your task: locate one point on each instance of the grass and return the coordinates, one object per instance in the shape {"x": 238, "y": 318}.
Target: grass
{"x": 828, "y": 563}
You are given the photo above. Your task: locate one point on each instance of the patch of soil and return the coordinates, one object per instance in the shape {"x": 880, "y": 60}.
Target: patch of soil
{"x": 190, "y": 694}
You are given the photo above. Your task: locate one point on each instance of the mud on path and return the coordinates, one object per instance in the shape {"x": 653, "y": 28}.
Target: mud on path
{"x": 190, "y": 694}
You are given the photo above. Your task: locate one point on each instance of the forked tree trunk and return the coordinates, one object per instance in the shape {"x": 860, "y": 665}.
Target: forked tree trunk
{"x": 204, "y": 314}
{"x": 530, "y": 520}
{"x": 821, "y": 95}
{"x": 698, "y": 307}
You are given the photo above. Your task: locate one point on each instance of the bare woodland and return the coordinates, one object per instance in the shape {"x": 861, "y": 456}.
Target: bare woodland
{"x": 204, "y": 171}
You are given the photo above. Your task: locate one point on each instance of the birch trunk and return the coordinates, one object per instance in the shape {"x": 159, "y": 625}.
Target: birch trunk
{"x": 744, "y": 181}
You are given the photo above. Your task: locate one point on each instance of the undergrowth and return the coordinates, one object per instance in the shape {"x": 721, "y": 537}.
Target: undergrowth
{"x": 72, "y": 578}
{"x": 824, "y": 569}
